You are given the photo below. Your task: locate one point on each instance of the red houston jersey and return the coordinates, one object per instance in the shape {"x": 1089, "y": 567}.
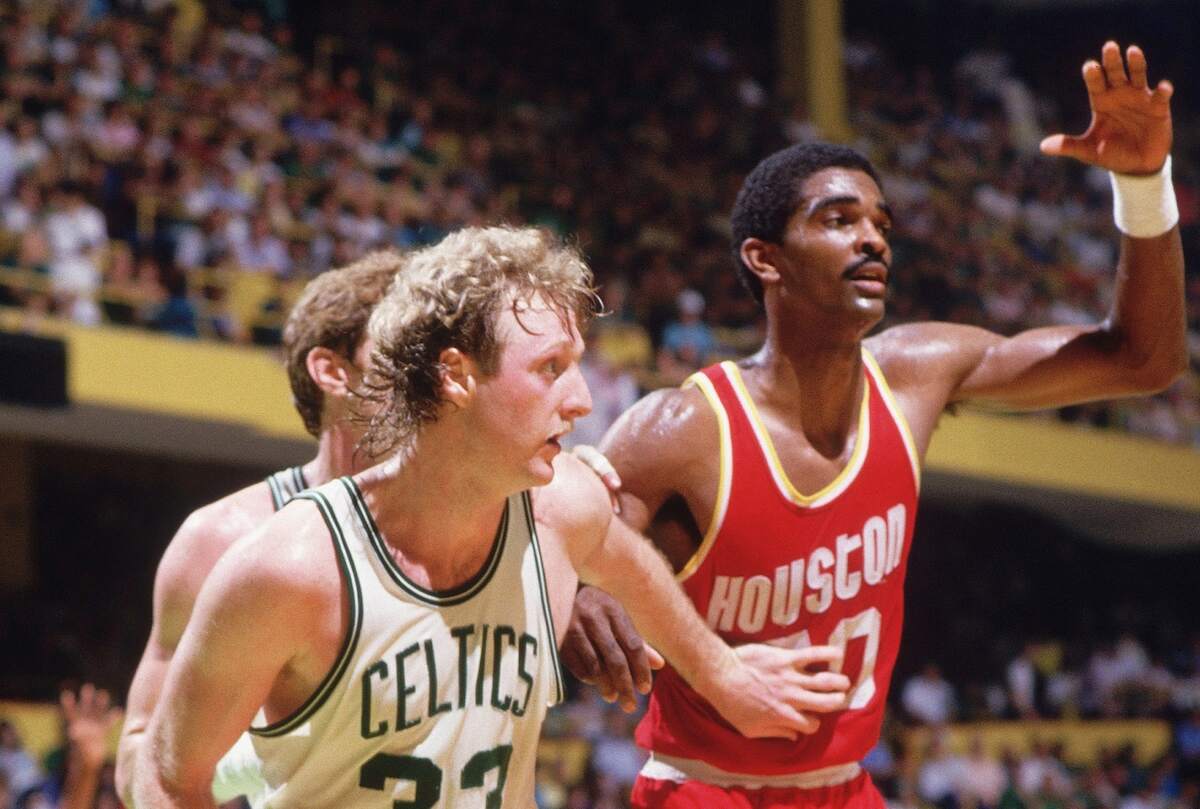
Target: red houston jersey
{"x": 794, "y": 569}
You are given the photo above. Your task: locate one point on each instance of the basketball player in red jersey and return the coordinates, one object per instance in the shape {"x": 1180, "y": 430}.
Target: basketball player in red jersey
{"x": 783, "y": 488}
{"x": 325, "y": 348}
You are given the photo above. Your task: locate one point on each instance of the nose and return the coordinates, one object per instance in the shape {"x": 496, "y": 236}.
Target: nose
{"x": 871, "y": 240}
{"x": 577, "y": 402}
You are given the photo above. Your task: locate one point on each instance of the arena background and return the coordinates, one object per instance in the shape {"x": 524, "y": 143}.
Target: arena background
{"x": 1062, "y": 547}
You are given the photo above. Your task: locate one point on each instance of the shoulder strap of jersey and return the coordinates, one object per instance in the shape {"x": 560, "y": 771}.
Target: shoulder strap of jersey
{"x": 286, "y": 484}
{"x": 350, "y": 581}
{"x": 875, "y": 374}
{"x": 547, "y": 615}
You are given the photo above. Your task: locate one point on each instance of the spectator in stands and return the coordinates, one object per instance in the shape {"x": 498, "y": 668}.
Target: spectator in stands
{"x": 1024, "y": 683}
{"x": 928, "y": 698}
{"x": 21, "y": 772}
{"x": 77, "y": 236}
{"x": 940, "y": 774}
{"x": 261, "y": 250}
{"x": 1042, "y": 776}
{"x": 1186, "y": 743}
{"x": 983, "y": 779}
{"x": 687, "y": 341}
{"x": 615, "y": 757}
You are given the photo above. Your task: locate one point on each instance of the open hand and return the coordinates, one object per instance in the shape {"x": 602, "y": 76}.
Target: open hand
{"x": 89, "y": 719}
{"x": 775, "y": 692}
{"x": 1130, "y": 131}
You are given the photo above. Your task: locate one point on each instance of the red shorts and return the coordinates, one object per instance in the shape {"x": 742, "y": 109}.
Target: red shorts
{"x": 857, "y": 793}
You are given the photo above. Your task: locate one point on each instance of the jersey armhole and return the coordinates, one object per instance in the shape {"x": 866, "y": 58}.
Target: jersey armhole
{"x": 547, "y": 613}
{"x": 349, "y": 643}
{"x": 721, "y": 504}
{"x": 889, "y": 398}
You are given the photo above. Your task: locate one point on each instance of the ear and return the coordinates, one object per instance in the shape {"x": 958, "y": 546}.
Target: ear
{"x": 458, "y": 377}
{"x": 332, "y": 373}
{"x": 760, "y": 256}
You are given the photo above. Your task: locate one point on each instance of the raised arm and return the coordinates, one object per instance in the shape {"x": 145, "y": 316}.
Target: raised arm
{"x": 252, "y": 621}
{"x": 759, "y": 700}
{"x": 1141, "y": 346}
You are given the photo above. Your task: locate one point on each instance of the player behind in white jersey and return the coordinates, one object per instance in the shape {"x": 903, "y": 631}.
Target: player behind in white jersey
{"x": 390, "y": 637}
{"x": 325, "y": 350}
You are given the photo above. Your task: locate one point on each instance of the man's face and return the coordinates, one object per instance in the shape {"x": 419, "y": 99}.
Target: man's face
{"x": 835, "y": 255}
{"x": 537, "y": 390}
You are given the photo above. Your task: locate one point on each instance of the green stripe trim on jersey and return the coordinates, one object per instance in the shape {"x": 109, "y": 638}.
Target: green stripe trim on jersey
{"x": 276, "y": 493}
{"x": 349, "y": 643}
{"x": 437, "y": 598}
{"x": 527, "y": 502}
{"x": 298, "y": 479}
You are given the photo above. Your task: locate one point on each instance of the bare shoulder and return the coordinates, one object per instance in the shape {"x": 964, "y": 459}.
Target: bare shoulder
{"x": 206, "y": 534}
{"x": 291, "y": 555}
{"x": 663, "y": 429}
{"x": 575, "y": 502}
{"x": 928, "y": 352}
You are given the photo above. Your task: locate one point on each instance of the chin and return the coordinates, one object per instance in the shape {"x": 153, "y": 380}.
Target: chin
{"x": 869, "y": 309}
{"x": 541, "y": 471}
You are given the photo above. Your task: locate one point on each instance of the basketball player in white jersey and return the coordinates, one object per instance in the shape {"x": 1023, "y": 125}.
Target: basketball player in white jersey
{"x": 390, "y": 637}
{"x": 325, "y": 350}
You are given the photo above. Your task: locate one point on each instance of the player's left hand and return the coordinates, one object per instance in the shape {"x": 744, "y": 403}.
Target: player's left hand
{"x": 604, "y": 649}
{"x": 1130, "y": 131}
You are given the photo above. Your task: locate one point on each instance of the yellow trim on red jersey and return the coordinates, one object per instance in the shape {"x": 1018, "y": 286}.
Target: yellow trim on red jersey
{"x": 836, "y": 486}
{"x": 721, "y": 504}
{"x": 893, "y": 406}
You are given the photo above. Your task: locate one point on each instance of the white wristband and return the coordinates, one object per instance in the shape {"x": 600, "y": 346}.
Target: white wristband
{"x": 1144, "y": 206}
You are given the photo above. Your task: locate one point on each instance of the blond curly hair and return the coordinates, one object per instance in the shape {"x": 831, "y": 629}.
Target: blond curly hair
{"x": 449, "y": 296}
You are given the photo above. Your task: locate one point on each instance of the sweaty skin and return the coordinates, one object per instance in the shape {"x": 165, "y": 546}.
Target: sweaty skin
{"x": 824, "y": 291}
{"x": 271, "y": 617}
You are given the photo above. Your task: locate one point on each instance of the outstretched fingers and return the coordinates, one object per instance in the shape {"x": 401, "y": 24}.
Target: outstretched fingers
{"x": 1137, "y": 66}
{"x": 1162, "y": 93}
{"x": 1114, "y": 66}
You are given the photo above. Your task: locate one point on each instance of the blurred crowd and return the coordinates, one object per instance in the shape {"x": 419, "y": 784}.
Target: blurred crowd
{"x": 157, "y": 164}
{"x": 186, "y": 172}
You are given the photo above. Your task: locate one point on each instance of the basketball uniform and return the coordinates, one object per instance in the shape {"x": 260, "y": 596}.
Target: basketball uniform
{"x": 792, "y": 569}
{"x": 436, "y": 698}
{"x": 239, "y": 772}
{"x": 286, "y": 484}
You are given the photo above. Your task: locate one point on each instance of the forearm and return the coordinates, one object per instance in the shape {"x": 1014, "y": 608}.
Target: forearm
{"x": 1148, "y": 318}
{"x": 154, "y": 788}
{"x": 128, "y": 751}
{"x": 79, "y": 791}
{"x": 637, "y": 575}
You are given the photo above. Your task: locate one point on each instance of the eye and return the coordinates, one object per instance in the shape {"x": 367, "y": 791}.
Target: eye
{"x": 552, "y": 368}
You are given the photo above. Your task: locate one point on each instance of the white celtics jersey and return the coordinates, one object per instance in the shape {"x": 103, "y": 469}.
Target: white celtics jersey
{"x": 436, "y": 698}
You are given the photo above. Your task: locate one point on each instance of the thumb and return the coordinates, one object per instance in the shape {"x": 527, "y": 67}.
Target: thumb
{"x": 1066, "y": 146}
{"x": 656, "y": 660}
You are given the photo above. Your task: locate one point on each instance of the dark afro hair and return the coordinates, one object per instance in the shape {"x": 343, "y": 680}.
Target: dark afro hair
{"x": 770, "y": 193}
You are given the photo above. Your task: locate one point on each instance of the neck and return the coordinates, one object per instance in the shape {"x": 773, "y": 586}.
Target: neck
{"x": 336, "y": 455}
{"x": 437, "y": 503}
{"x": 815, "y": 378}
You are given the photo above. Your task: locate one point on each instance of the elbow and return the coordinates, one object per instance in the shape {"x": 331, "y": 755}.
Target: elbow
{"x": 1159, "y": 373}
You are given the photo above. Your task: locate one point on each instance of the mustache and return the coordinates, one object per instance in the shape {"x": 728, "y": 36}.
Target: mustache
{"x": 865, "y": 260}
